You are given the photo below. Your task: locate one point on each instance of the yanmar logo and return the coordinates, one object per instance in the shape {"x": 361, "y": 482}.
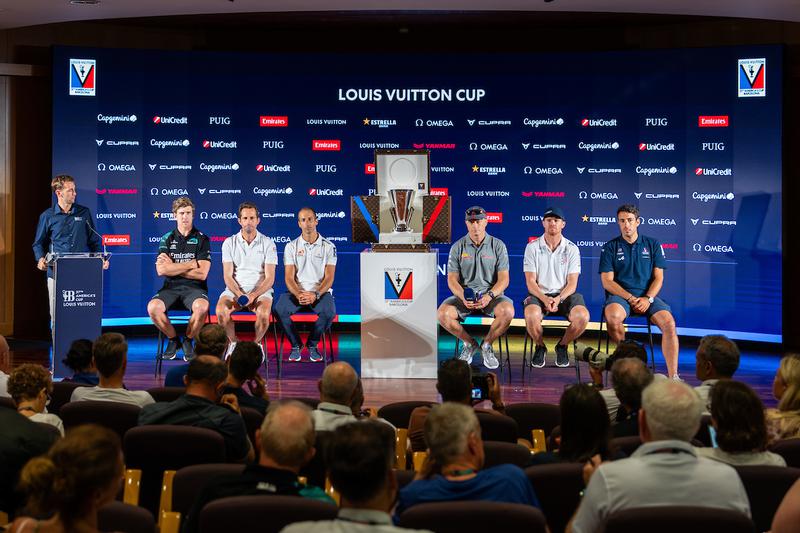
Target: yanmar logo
{"x": 116, "y": 240}
{"x": 116, "y": 191}
{"x": 713, "y": 121}
{"x": 434, "y": 146}
{"x": 331, "y": 145}
{"x": 543, "y": 194}
{"x": 494, "y": 218}
{"x": 269, "y": 121}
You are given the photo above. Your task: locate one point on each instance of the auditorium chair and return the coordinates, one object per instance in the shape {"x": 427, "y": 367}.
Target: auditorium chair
{"x": 252, "y": 421}
{"x": 789, "y": 449}
{"x": 166, "y": 394}
{"x": 118, "y": 516}
{"x": 316, "y": 468}
{"x": 648, "y": 325}
{"x": 461, "y": 516}
{"x": 399, "y": 413}
{"x": 626, "y": 445}
{"x": 766, "y": 486}
{"x": 501, "y": 453}
{"x": 530, "y": 416}
{"x": 703, "y": 435}
{"x": 497, "y": 427}
{"x": 558, "y": 488}
{"x": 154, "y": 449}
{"x": 303, "y": 318}
{"x": 187, "y": 483}
{"x": 116, "y": 416}
{"x": 500, "y": 340}
{"x": 62, "y": 393}
{"x": 265, "y": 514}
{"x": 404, "y": 477}
{"x": 7, "y": 403}
{"x": 525, "y": 350}
{"x": 669, "y": 519}
{"x": 401, "y": 448}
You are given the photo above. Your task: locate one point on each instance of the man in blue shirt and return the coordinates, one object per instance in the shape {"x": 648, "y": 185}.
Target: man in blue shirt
{"x": 64, "y": 228}
{"x": 632, "y": 271}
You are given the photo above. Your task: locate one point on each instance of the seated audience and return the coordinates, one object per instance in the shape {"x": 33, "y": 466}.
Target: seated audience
{"x": 784, "y": 422}
{"x": 80, "y": 474}
{"x": 788, "y": 514}
{"x": 360, "y": 467}
{"x": 630, "y": 376}
{"x": 454, "y": 384}
{"x": 585, "y": 428}
{"x": 5, "y": 366}
{"x": 286, "y": 440}
{"x": 79, "y": 360}
{"x": 717, "y": 358}
{"x": 337, "y": 389}
{"x": 212, "y": 340}
{"x": 205, "y": 406}
{"x": 664, "y": 470}
{"x": 20, "y": 440}
{"x": 454, "y": 469}
{"x": 243, "y": 366}
{"x": 30, "y": 387}
{"x": 737, "y": 416}
{"x": 110, "y": 356}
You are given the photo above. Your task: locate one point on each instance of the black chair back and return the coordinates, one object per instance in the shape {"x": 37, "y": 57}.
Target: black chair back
{"x": 154, "y": 449}
{"x": 789, "y": 449}
{"x": 530, "y": 416}
{"x": 118, "y": 516}
{"x": 8, "y": 403}
{"x": 497, "y": 427}
{"x": 190, "y": 481}
{"x": 404, "y": 477}
{"x": 252, "y": 421}
{"x": 766, "y": 486}
{"x": 62, "y": 393}
{"x": 558, "y": 488}
{"x": 266, "y": 514}
{"x": 458, "y": 517}
{"x": 626, "y": 445}
{"x": 669, "y": 519}
{"x": 399, "y": 413}
{"x": 703, "y": 435}
{"x": 502, "y": 453}
{"x": 315, "y": 470}
{"x": 166, "y": 394}
{"x": 116, "y": 416}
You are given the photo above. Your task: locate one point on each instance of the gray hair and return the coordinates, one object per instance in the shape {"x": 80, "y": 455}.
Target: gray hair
{"x": 673, "y": 410}
{"x": 287, "y": 433}
{"x": 630, "y": 376}
{"x": 339, "y": 381}
{"x": 447, "y": 428}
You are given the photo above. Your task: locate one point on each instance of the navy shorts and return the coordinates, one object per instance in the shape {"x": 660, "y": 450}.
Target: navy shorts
{"x": 657, "y": 305}
{"x": 183, "y": 293}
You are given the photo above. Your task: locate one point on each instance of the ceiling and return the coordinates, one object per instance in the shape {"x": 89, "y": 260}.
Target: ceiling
{"x": 21, "y": 13}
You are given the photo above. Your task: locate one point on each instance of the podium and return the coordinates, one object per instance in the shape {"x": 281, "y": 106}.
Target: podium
{"x": 399, "y": 330}
{"x": 78, "y": 310}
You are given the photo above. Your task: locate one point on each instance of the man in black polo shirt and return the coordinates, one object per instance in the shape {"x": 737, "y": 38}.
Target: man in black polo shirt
{"x": 243, "y": 365}
{"x": 205, "y": 406}
{"x": 184, "y": 259}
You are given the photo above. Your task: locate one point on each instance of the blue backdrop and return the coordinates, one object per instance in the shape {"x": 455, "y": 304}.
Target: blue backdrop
{"x": 693, "y": 137}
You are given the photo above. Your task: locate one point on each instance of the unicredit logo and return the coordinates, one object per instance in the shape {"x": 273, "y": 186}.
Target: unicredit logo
{"x": 369, "y": 168}
{"x": 658, "y": 147}
{"x": 325, "y": 192}
{"x": 218, "y": 144}
{"x": 494, "y": 218}
{"x": 699, "y": 171}
{"x": 326, "y": 145}
{"x": 116, "y": 240}
{"x": 713, "y": 121}
{"x": 170, "y": 120}
{"x": 268, "y": 121}
{"x": 598, "y": 122}
{"x": 273, "y": 168}
{"x": 439, "y": 191}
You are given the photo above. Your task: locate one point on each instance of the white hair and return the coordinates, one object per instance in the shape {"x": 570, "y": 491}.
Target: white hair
{"x": 672, "y": 409}
{"x": 447, "y": 428}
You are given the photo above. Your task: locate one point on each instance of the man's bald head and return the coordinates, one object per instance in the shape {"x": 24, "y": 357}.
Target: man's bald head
{"x": 338, "y": 383}
{"x": 287, "y": 434}
{"x": 206, "y": 369}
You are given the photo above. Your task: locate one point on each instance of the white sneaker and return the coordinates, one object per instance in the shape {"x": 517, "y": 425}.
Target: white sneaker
{"x": 676, "y": 377}
{"x": 466, "y": 352}
{"x": 489, "y": 360}
{"x": 229, "y": 351}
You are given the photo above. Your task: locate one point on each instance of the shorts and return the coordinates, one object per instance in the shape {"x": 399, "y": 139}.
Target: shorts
{"x": 463, "y": 312}
{"x": 229, "y": 295}
{"x": 657, "y": 305}
{"x": 183, "y": 293}
{"x": 564, "y": 308}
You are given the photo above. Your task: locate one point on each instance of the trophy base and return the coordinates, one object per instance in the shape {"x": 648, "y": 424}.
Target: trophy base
{"x": 401, "y": 237}
{"x": 400, "y": 247}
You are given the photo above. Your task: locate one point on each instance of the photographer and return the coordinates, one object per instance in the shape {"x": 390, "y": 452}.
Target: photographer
{"x": 243, "y": 367}
{"x": 455, "y": 384}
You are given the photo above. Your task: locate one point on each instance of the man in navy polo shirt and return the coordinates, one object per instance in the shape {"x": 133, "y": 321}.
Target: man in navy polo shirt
{"x": 632, "y": 271}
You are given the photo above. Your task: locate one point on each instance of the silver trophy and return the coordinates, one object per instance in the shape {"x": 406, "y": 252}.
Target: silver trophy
{"x": 402, "y": 208}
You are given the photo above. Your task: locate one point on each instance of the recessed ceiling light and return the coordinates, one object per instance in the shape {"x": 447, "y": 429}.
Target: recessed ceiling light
{"x": 84, "y": 2}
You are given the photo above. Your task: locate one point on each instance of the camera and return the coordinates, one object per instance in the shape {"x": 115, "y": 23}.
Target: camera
{"x": 596, "y": 358}
{"x": 480, "y": 387}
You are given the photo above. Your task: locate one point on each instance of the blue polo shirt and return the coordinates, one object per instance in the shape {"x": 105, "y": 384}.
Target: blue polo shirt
{"x": 632, "y": 264}
{"x": 65, "y": 232}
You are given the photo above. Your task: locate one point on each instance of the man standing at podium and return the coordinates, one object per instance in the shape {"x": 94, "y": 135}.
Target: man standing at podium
{"x": 184, "y": 259}
{"x": 64, "y": 228}
{"x": 477, "y": 275}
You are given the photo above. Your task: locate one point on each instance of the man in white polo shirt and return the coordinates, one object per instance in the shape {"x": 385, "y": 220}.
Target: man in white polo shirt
{"x": 310, "y": 265}
{"x": 248, "y": 266}
{"x": 552, "y": 265}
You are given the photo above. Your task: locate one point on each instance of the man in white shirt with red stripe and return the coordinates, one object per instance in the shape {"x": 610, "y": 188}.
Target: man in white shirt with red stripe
{"x": 552, "y": 265}
{"x": 310, "y": 265}
{"x": 249, "y": 259}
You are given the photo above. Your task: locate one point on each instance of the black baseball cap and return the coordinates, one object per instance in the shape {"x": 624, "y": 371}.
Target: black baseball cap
{"x": 475, "y": 212}
{"x": 553, "y": 212}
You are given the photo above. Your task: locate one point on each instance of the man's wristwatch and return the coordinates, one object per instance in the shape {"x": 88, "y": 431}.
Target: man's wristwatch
{"x": 316, "y": 294}
{"x": 491, "y": 295}
{"x": 651, "y": 299}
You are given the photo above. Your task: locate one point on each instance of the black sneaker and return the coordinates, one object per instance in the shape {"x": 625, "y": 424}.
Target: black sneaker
{"x": 562, "y": 357}
{"x": 171, "y": 351}
{"x": 188, "y": 350}
{"x": 539, "y": 353}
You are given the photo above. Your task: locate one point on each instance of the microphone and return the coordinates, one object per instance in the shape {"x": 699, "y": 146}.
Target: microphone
{"x": 105, "y": 252}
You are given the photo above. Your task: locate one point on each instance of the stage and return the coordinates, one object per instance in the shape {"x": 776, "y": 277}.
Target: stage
{"x": 757, "y": 369}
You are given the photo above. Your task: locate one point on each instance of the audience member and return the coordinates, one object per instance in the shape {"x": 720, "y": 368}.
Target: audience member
{"x": 5, "y": 367}
{"x": 81, "y": 473}
{"x": 737, "y": 416}
{"x": 585, "y": 427}
{"x": 212, "y": 340}
{"x": 337, "y": 389}
{"x": 79, "y": 360}
{"x": 717, "y": 358}
{"x": 205, "y": 406}
{"x": 788, "y": 514}
{"x": 31, "y": 386}
{"x": 286, "y": 440}
{"x": 20, "y": 439}
{"x": 243, "y": 366}
{"x": 360, "y": 462}
{"x": 454, "y": 467}
{"x": 664, "y": 470}
{"x": 630, "y": 376}
{"x": 784, "y": 422}
{"x": 454, "y": 384}
{"x": 110, "y": 355}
